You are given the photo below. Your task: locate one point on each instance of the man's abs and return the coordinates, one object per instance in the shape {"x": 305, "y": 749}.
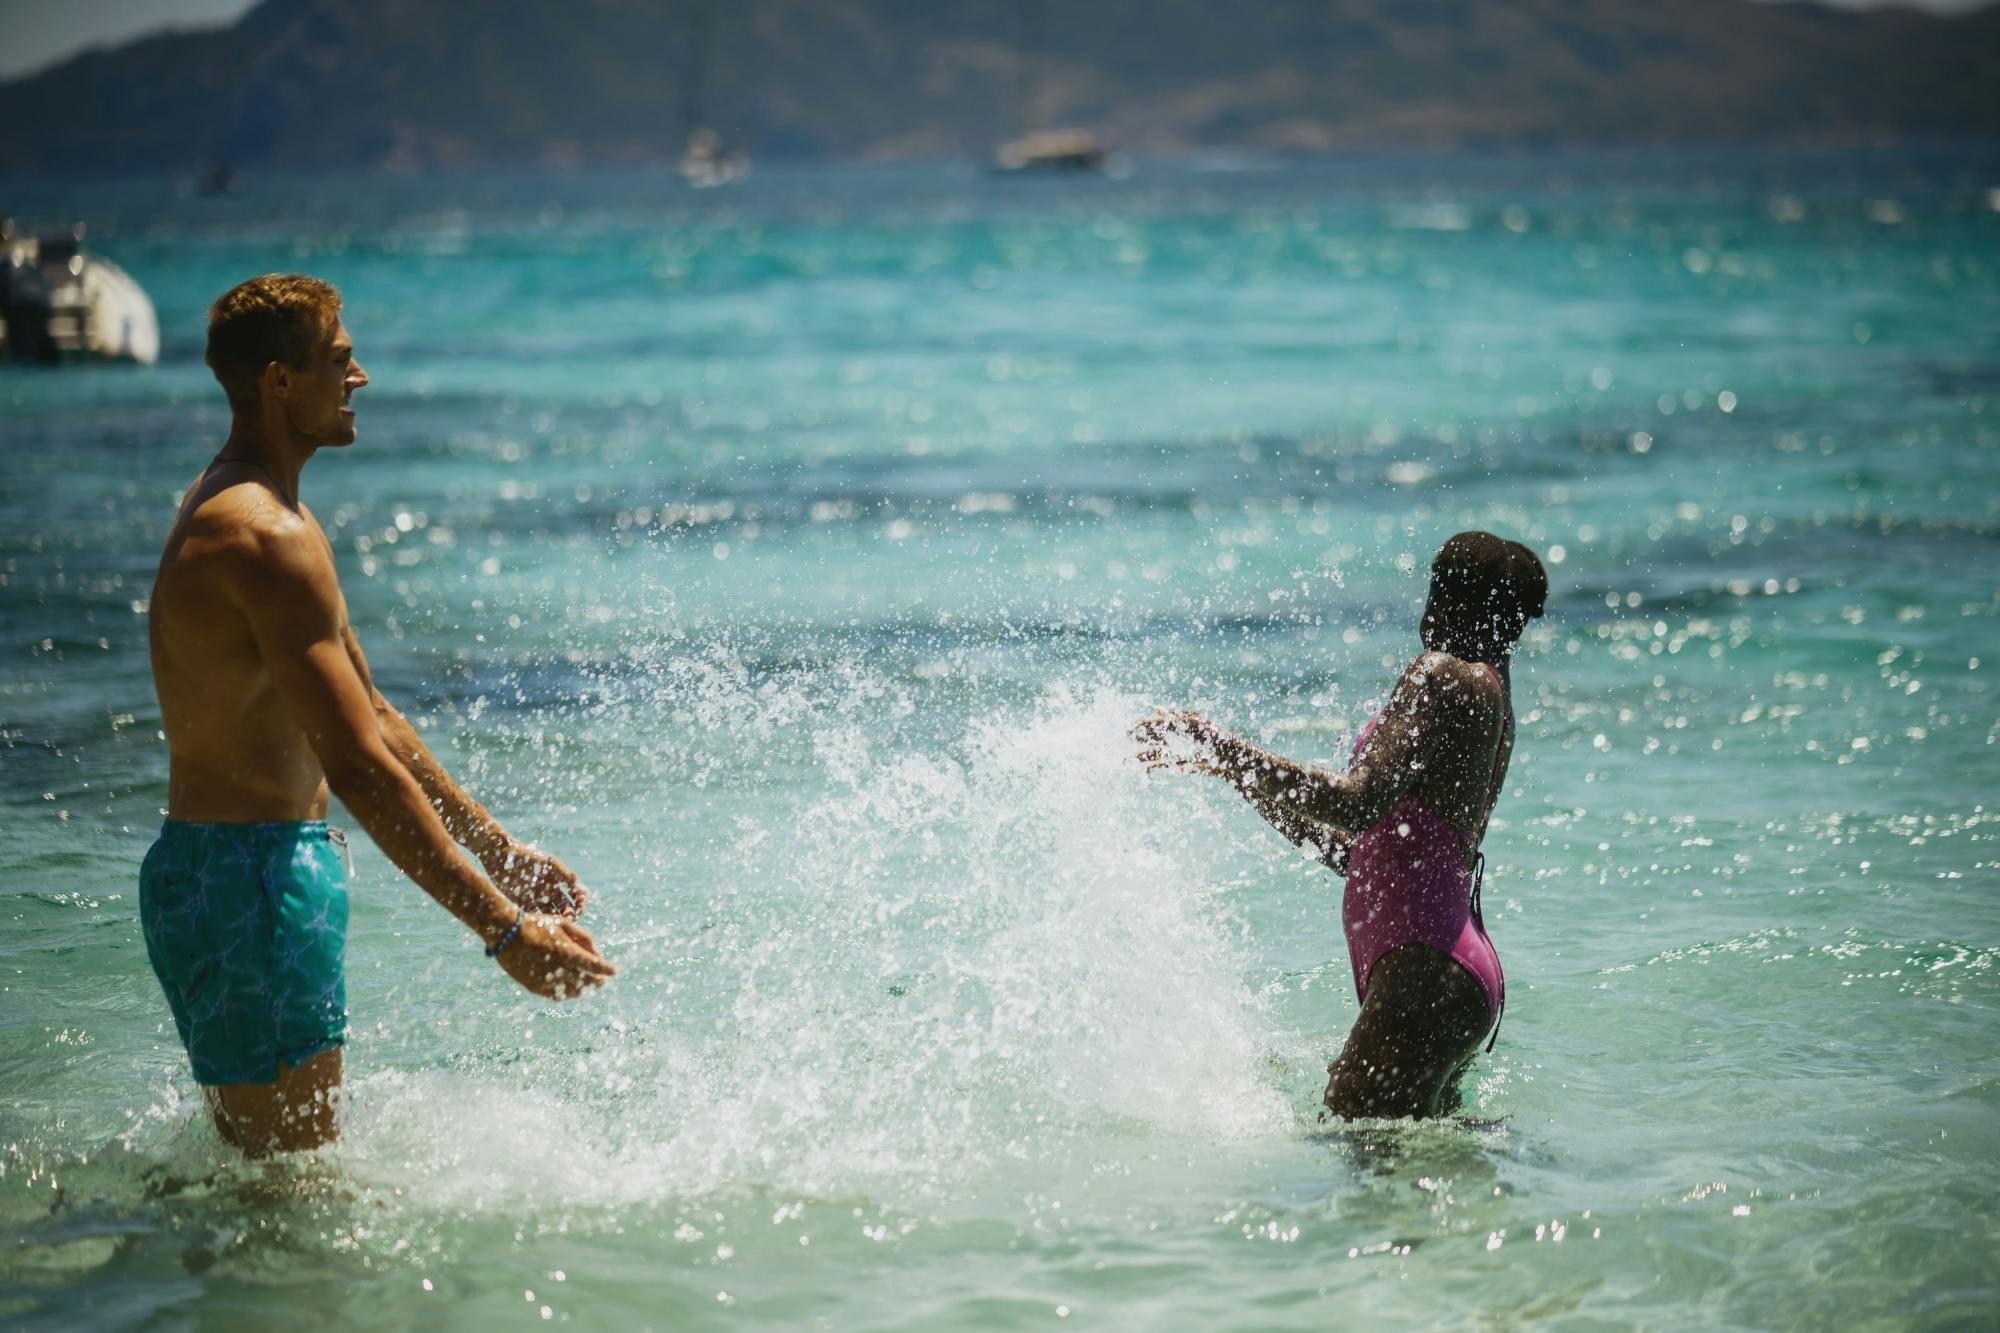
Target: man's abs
{"x": 246, "y": 789}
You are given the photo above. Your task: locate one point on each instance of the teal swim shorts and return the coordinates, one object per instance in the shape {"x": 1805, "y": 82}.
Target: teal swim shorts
{"x": 246, "y": 927}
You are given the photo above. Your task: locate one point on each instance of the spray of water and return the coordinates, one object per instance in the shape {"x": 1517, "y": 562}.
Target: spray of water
{"x": 926, "y": 962}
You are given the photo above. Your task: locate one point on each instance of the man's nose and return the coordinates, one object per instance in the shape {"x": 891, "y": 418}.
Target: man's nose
{"x": 356, "y": 376}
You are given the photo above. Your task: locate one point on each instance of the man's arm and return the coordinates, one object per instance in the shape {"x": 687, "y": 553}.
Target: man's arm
{"x": 284, "y": 584}
{"x": 527, "y": 875}
{"x": 465, "y": 819}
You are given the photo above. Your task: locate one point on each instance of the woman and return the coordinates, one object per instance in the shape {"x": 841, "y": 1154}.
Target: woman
{"x": 1404, "y": 823}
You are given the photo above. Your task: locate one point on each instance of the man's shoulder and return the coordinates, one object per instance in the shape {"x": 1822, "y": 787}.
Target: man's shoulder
{"x": 245, "y": 531}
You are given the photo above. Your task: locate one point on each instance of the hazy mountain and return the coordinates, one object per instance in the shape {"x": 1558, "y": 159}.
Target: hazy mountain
{"x": 448, "y": 82}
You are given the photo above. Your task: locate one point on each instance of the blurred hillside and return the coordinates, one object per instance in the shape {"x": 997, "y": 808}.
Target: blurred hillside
{"x": 391, "y": 83}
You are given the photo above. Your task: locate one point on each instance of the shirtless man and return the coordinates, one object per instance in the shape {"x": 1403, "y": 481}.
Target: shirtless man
{"x": 268, "y": 707}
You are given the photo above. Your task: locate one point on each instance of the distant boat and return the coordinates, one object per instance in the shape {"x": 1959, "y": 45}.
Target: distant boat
{"x": 1040, "y": 149}
{"x": 707, "y": 163}
{"x": 1051, "y": 150}
{"x": 58, "y": 302}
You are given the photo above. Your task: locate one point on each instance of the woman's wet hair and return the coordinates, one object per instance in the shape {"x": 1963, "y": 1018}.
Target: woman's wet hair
{"x": 1484, "y": 591}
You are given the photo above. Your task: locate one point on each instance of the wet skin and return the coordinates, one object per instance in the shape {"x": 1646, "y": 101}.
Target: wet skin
{"x": 269, "y": 709}
{"x": 1445, "y": 736}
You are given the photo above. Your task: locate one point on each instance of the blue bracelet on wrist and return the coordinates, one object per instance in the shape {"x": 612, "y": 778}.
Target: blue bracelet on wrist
{"x": 495, "y": 949}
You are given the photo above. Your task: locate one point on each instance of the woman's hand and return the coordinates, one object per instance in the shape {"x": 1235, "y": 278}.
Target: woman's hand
{"x": 1174, "y": 738}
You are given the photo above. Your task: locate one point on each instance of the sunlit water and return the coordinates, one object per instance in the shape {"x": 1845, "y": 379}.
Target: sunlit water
{"x": 792, "y": 560}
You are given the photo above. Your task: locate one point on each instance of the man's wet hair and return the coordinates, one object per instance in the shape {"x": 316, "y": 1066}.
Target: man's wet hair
{"x": 275, "y": 317}
{"x": 1484, "y": 591}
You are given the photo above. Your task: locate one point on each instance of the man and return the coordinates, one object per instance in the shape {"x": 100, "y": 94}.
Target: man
{"x": 268, "y": 707}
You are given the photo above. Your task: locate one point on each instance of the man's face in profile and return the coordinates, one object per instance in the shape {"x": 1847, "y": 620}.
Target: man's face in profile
{"x": 318, "y": 404}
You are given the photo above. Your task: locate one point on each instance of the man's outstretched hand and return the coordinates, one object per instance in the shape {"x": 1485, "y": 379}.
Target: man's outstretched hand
{"x": 554, "y": 957}
{"x": 535, "y": 880}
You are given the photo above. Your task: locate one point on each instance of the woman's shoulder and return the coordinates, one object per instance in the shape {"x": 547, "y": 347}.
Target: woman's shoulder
{"x": 1448, "y": 676}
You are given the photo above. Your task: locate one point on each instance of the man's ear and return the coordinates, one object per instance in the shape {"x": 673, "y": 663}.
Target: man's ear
{"x": 276, "y": 379}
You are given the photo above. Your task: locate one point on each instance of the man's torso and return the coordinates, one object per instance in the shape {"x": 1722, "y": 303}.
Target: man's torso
{"x": 237, "y": 753}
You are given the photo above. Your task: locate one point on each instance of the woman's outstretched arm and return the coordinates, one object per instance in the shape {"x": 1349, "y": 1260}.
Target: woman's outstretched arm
{"x": 1326, "y": 844}
{"x": 1285, "y": 790}
{"x": 1162, "y": 744}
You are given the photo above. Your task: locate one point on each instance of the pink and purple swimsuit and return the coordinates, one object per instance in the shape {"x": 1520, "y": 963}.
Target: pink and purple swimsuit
{"x": 1407, "y": 880}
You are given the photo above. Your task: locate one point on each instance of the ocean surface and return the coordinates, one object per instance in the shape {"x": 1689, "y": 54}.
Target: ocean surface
{"x": 792, "y": 559}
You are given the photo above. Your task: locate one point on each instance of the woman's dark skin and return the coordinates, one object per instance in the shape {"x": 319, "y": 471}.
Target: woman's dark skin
{"x": 1446, "y": 736}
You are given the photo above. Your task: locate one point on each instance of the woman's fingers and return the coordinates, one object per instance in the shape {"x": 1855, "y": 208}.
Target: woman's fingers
{"x": 1157, "y": 730}
{"x": 1158, "y": 733}
{"x": 1161, "y": 719}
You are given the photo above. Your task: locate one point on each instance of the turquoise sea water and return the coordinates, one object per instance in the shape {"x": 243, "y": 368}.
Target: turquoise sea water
{"x": 791, "y": 559}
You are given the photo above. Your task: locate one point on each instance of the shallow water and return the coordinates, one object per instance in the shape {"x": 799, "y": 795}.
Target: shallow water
{"x": 792, "y": 560}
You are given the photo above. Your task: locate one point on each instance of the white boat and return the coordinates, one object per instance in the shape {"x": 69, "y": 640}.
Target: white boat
{"x": 1051, "y": 150}
{"x": 1041, "y": 148}
{"x": 58, "y": 302}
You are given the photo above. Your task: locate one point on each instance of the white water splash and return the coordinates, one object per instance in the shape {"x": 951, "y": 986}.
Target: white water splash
{"x": 947, "y": 962}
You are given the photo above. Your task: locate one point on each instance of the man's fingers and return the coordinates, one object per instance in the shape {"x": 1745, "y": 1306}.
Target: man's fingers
{"x": 569, "y": 982}
{"x": 567, "y": 893}
{"x": 562, "y": 960}
{"x": 560, "y": 902}
{"x": 588, "y": 960}
{"x": 565, "y": 980}
{"x": 572, "y": 946}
